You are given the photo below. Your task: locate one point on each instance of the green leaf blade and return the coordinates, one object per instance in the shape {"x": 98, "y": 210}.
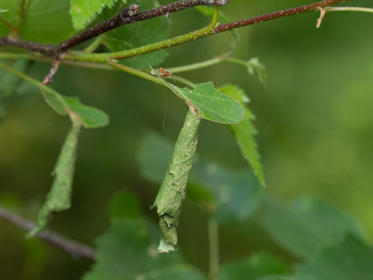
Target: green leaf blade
{"x": 214, "y": 105}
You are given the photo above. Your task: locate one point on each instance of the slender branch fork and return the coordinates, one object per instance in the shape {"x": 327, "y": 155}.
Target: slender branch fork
{"x": 67, "y": 245}
{"x": 130, "y": 15}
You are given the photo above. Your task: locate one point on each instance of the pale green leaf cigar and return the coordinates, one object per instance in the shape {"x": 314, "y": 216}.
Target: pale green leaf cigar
{"x": 173, "y": 189}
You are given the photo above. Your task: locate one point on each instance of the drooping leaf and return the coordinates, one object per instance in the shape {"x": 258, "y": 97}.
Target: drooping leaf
{"x": 126, "y": 250}
{"x": 90, "y": 116}
{"x": 173, "y": 188}
{"x": 307, "y": 225}
{"x": 350, "y": 259}
{"x": 253, "y": 268}
{"x": 245, "y": 132}
{"x": 140, "y": 34}
{"x": 236, "y": 194}
{"x": 83, "y": 11}
{"x": 59, "y": 197}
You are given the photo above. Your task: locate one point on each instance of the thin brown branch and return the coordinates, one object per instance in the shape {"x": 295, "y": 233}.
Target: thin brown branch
{"x": 53, "y": 70}
{"x": 279, "y": 14}
{"x": 128, "y": 15}
{"x": 67, "y": 245}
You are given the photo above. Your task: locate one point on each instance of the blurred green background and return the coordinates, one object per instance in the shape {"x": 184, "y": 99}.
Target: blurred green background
{"x": 314, "y": 121}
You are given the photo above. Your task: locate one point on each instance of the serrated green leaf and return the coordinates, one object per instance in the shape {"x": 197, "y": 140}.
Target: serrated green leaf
{"x": 307, "y": 225}
{"x": 84, "y": 11}
{"x": 59, "y": 197}
{"x": 253, "y": 268}
{"x": 349, "y": 260}
{"x": 214, "y": 105}
{"x": 236, "y": 194}
{"x": 140, "y": 34}
{"x": 245, "y": 132}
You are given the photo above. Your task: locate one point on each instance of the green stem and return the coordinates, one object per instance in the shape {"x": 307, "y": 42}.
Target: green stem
{"x": 7, "y": 23}
{"x": 95, "y": 44}
{"x": 198, "y": 65}
{"x": 184, "y": 81}
{"x": 33, "y": 81}
{"x": 173, "y": 189}
{"x": 213, "y": 238}
{"x": 104, "y": 57}
{"x": 21, "y": 15}
{"x": 135, "y": 72}
{"x": 350, "y": 9}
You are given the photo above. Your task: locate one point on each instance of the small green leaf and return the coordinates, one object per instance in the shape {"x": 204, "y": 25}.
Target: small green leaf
{"x": 255, "y": 267}
{"x": 245, "y": 132}
{"x": 83, "y": 11}
{"x": 208, "y": 102}
{"x": 349, "y": 260}
{"x": 90, "y": 116}
{"x": 214, "y": 105}
{"x": 307, "y": 225}
{"x": 255, "y": 66}
{"x": 59, "y": 197}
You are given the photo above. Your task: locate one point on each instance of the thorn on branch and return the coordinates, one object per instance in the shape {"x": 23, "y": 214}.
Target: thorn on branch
{"x": 217, "y": 2}
{"x": 55, "y": 65}
{"x": 321, "y": 17}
